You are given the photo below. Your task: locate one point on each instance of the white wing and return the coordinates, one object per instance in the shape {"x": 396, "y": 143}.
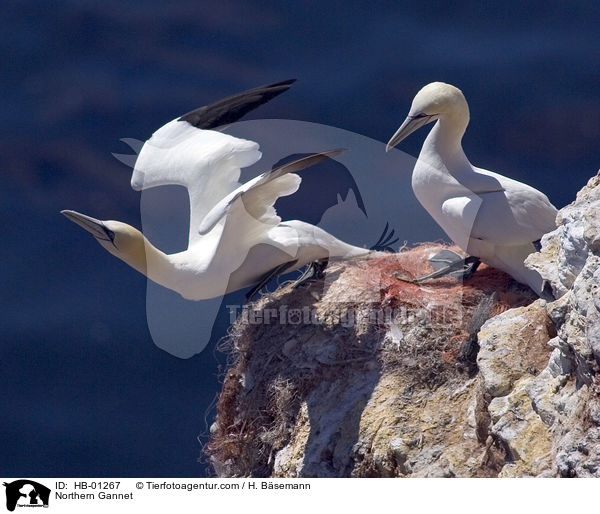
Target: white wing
{"x": 206, "y": 162}
{"x": 507, "y": 218}
{"x": 189, "y": 151}
{"x": 257, "y": 196}
{"x": 514, "y": 213}
{"x": 514, "y": 217}
{"x": 246, "y": 217}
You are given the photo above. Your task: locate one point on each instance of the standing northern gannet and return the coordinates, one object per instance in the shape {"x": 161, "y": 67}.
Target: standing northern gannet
{"x": 489, "y": 216}
{"x": 239, "y": 242}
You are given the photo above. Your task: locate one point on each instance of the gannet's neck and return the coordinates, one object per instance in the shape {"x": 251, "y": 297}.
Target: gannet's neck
{"x": 158, "y": 265}
{"x": 444, "y": 140}
{"x": 144, "y": 257}
{"x": 444, "y": 159}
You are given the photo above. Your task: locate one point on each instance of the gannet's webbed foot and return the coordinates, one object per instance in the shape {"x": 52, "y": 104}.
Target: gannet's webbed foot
{"x": 450, "y": 263}
{"x": 385, "y": 241}
{"x": 279, "y": 270}
{"x": 447, "y": 262}
{"x": 314, "y": 271}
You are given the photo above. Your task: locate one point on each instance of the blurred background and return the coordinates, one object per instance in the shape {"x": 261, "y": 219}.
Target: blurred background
{"x": 85, "y": 392}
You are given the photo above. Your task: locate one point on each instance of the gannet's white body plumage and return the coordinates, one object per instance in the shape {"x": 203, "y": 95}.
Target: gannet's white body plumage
{"x": 486, "y": 214}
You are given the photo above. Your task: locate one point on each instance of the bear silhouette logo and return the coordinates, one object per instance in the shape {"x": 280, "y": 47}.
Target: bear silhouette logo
{"x": 26, "y": 492}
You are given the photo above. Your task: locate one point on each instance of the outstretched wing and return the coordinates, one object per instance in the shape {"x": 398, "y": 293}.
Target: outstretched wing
{"x": 257, "y": 196}
{"x": 208, "y": 163}
{"x": 231, "y": 109}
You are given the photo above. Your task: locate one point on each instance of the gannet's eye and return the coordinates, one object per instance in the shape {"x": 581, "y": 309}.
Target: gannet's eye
{"x": 110, "y": 234}
{"x": 420, "y": 115}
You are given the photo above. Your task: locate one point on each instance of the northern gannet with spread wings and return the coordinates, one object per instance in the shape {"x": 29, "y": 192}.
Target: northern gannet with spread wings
{"x": 240, "y": 242}
{"x": 489, "y": 216}
{"x": 235, "y": 238}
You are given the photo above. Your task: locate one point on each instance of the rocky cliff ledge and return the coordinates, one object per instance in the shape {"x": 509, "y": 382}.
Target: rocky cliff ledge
{"x": 362, "y": 374}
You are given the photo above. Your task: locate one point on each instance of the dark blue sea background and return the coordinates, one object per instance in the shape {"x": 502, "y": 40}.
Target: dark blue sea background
{"x": 84, "y": 390}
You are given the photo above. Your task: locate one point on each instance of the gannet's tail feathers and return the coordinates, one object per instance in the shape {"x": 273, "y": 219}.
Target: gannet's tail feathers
{"x": 258, "y": 195}
{"x": 231, "y": 109}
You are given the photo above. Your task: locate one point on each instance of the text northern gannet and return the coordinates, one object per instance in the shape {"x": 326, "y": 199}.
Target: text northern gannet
{"x": 491, "y": 217}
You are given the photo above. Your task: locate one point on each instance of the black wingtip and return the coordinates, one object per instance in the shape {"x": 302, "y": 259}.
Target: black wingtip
{"x": 287, "y": 82}
{"x": 234, "y": 107}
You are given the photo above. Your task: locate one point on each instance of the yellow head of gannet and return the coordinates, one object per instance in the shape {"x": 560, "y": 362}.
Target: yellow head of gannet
{"x": 122, "y": 240}
{"x": 437, "y": 100}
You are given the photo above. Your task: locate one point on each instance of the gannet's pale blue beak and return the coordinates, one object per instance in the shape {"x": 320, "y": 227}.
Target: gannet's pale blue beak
{"x": 410, "y": 124}
{"x": 95, "y": 227}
